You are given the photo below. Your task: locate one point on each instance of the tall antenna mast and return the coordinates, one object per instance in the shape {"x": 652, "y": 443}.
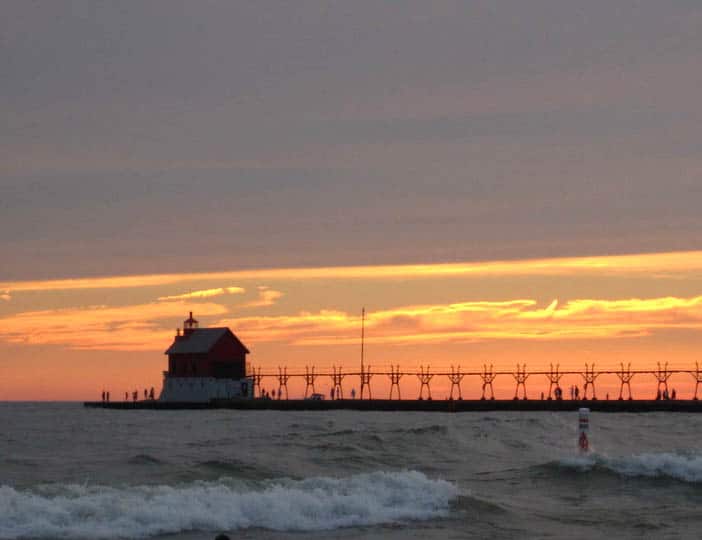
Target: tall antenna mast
{"x": 363, "y": 333}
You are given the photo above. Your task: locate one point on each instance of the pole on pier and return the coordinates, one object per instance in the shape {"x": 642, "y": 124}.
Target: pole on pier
{"x": 662, "y": 375}
{"x": 309, "y": 380}
{"x": 365, "y": 375}
{"x": 553, "y": 379}
{"x": 363, "y": 335}
{"x": 520, "y": 376}
{"x": 395, "y": 377}
{"x": 424, "y": 377}
{"x": 456, "y": 377}
{"x": 283, "y": 381}
{"x": 625, "y": 376}
{"x": 698, "y": 378}
{"x": 589, "y": 377}
{"x": 488, "y": 376}
{"x": 337, "y": 377}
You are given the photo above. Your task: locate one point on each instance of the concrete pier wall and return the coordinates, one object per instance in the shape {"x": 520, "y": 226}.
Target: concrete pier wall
{"x": 634, "y": 406}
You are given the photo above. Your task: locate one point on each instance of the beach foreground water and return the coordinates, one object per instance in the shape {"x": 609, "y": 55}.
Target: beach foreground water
{"x": 70, "y": 472}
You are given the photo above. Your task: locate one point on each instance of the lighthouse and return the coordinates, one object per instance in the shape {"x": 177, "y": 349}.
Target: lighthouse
{"x": 205, "y": 364}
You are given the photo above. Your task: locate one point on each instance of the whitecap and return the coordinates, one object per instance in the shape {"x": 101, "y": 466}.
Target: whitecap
{"x": 73, "y": 511}
{"x": 684, "y": 467}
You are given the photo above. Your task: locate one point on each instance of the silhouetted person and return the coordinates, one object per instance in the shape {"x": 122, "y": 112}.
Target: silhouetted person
{"x": 126, "y": 396}
{"x": 146, "y": 393}
{"x": 658, "y": 395}
{"x": 151, "y": 393}
{"x": 673, "y": 394}
{"x": 135, "y": 395}
{"x": 331, "y": 394}
{"x": 107, "y": 397}
{"x": 103, "y": 395}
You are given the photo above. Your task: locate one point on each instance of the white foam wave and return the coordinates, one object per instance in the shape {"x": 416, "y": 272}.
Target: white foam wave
{"x": 73, "y": 511}
{"x": 687, "y": 468}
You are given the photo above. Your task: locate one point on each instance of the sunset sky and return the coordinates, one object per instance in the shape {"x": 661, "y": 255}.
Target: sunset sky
{"x": 495, "y": 182}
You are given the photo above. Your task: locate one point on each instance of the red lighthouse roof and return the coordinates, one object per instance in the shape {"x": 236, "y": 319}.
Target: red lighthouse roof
{"x": 202, "y": 340}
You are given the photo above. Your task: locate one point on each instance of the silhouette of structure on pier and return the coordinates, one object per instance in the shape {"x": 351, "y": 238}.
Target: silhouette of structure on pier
{"x": 589, "y": 376}
{"x": 488, "y": 376}
{"x": 310, "y": 377}
{"x": 366, "y": 377}
{"x": 625, "y": 376}
{"x": 698, "y": 378}
{"x": 256, "y": 378}
{"x": 553, "y": 379}
{"x": 425, "y": 377}
{"x": 520, "y": 376}
{"x": 337, "y": 377}
{"x": 662, "y": 375}
{"x": 456, "y": 377}
{"x": 283, "y": 381}
{"x": 395, "y": 377}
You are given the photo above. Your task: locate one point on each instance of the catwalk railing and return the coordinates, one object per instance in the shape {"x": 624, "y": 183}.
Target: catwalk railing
{"x": 485, "y": 377}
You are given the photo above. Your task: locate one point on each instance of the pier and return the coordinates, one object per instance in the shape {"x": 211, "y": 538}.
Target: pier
{"x": 485, "y": 379}
{"x": 397, "y": 405}
{"x": 552, "y": 400}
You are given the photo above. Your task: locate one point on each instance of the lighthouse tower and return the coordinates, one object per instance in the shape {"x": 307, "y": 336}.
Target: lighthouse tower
{"x": 205, "y": 364}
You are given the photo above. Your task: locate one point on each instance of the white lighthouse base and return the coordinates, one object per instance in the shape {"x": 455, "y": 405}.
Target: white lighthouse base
{"x": 204, "y": 389}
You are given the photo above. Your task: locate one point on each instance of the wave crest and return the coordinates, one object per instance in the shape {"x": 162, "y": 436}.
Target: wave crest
{"x": 683, "y": 467}
{"x": 73, "y": 511}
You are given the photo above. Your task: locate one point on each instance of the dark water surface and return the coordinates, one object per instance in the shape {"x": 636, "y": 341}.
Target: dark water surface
{"x": 70, "y": 472}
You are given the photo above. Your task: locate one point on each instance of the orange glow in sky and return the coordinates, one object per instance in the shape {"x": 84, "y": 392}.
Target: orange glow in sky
{"x": 69, "y": 339}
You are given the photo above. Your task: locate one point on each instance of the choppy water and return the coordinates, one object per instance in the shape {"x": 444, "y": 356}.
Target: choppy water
{"x": 69, "y": 472}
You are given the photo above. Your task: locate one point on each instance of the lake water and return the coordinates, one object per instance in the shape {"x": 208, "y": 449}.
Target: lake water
{"x": 70, "y": 472}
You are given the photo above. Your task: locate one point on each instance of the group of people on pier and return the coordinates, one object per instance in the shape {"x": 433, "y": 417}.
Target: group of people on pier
{"x": 665, "y": 395}
{"x": 148, "y": 395}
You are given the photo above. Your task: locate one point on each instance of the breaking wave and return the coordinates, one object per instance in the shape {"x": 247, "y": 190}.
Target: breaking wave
{"x": 683, "y": 467}
{"x": 73, "y": 511}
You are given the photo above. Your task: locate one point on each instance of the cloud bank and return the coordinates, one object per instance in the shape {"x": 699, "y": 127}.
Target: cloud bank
{"x": 149, "y": 326}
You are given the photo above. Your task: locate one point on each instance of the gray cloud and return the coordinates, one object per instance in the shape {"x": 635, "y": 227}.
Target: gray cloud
{"x": 165, "y": 136}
